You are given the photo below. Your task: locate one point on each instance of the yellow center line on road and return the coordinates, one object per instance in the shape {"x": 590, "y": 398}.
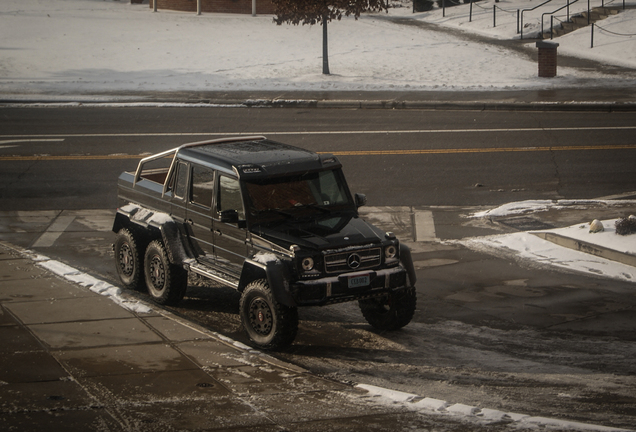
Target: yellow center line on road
{"x": 347, "y": 152}
{"x": 481, "y": 150}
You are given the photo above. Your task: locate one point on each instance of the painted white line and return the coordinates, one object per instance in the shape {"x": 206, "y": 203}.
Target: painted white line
{"x": 53, "y": 232}
{"x": 424, "y": 226}
{"x": 29, "y": 140}
{"x": 343, "y": 132}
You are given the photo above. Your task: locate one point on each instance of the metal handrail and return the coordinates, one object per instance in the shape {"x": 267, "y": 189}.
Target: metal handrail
{"x": 528, "y": 10}
{"x": 555, "y": 11}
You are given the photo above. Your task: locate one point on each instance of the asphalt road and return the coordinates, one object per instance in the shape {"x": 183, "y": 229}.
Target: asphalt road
{"x": 68, "y": 158}
{"x": 488, "y": 332}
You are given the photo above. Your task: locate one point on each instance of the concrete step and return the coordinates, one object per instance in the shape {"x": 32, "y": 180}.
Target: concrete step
{"x": 581, "y": 21}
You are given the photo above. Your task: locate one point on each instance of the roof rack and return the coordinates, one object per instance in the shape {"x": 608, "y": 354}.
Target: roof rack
{"x": 222, "y": 140}
{"x": 188, "y": 145}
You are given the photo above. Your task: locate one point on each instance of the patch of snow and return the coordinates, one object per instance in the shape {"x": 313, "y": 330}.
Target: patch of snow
{"x": 536, "y": 206}
{"x": 392, "y": 397}
{"x": 100, "y": 287}
{"x": 431, "y": 404}
{"x": 461, "y": 409}
{"x": 265, "y": 257}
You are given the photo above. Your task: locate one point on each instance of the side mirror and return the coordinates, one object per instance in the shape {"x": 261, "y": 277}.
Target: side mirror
{"x": 229, "y": 216}
{"x": 361, "y": 200}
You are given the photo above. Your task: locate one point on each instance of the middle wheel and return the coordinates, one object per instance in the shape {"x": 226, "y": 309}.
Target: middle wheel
{"x": 167, "y": 283}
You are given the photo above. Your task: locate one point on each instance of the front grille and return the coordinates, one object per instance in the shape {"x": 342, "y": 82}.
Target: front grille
{"x": 345, "y": 261}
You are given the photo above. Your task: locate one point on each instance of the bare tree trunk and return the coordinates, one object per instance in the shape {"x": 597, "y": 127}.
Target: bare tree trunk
{"x": 325, "y": 50}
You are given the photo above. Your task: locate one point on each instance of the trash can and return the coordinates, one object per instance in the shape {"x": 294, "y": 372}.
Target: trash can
{"x": 547, "y": 59}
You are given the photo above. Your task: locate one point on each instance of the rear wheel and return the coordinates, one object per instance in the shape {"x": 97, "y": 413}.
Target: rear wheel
{"x": 392, "y": 311}
{"x": 166, "y": 282}
{"x": 268, "y": 324}
{"x": 128, "y": 259}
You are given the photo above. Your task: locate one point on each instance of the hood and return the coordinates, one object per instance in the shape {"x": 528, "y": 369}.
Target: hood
{"x": 328, "y": 233}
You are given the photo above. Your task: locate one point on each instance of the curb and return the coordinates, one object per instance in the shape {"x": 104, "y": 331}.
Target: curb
{"x": 589, "y": 248}
{"x": 588, "y": 106}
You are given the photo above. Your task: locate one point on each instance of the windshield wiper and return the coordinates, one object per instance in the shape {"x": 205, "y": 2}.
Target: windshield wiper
{"x": 318, "y": 206}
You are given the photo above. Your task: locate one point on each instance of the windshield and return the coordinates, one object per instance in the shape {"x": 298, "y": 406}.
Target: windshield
{"x": 298, "y": 196}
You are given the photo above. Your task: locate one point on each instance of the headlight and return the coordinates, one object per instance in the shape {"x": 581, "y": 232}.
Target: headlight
{"x": 390, "y": 252}
{"x": 307, "y": 264}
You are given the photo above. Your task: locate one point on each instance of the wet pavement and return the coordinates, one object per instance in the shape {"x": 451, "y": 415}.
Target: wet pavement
{"x": 76, "y": 360}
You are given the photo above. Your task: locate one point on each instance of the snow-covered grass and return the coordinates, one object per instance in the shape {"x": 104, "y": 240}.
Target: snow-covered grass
{"x": 91, "y": 46}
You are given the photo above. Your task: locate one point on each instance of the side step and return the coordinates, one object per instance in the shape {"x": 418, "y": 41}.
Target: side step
{"x": 225, "y": 279}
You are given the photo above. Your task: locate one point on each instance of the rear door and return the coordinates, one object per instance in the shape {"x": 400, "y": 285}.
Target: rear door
{"x": 178, "y": 191}
{"x": 199, "y": 219}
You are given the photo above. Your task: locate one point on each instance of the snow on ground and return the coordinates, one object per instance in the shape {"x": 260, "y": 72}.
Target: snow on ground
{"x": 528, "y": 247}
{"x": 536, "y": 206}
{"x": 89, "y": 46}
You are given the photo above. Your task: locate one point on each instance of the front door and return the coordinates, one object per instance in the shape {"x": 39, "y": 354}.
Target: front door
{"x": 230, "y": 234}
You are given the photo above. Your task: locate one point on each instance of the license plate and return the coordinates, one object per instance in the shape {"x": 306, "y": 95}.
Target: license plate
{"x": 358, "y": 281}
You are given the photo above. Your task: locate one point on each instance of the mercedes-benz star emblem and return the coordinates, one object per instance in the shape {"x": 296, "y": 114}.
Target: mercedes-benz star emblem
{"x": 354, "y": 261}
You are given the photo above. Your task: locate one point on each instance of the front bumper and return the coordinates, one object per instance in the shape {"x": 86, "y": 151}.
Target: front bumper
{"x": 336, "y": 289}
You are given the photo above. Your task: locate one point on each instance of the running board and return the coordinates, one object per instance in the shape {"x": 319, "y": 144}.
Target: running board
{"x": 217, "y": 277}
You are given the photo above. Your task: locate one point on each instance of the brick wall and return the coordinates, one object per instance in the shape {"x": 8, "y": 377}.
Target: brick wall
{"x": 547, "y": 62}
{"x": 219, "y": 6}
{"x": 547, "y": 58}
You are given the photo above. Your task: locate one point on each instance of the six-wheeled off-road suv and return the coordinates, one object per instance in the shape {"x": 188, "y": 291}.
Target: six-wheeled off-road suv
{"x": 275, "y": 222}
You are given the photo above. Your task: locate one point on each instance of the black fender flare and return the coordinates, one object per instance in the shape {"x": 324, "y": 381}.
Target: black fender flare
{"x": 407, "y": 262}
{"x": 173, "y": 242}
{"x": 276, "y": 272}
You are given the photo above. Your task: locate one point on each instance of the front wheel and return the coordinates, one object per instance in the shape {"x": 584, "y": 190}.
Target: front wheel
{"x": 392, "y": 311}
{"x": 166, "y": 282}
{"x": 269, "y": 324}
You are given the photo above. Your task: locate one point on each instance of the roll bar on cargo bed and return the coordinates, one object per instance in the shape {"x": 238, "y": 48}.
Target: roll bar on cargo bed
{"x": 176, "y": 150}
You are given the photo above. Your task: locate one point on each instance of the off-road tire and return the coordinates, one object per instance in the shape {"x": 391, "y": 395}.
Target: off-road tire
{"x": 390, "y": 312}
{"x": 128, "y": 259}
{"x": 166, "y": 282}
{"x": 269, "y": 324}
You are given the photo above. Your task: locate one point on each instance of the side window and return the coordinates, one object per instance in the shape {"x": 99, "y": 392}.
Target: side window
{"x": 202, "y": 186}
{"x": 181, "y": 180}
{"x": 229, "y": 197}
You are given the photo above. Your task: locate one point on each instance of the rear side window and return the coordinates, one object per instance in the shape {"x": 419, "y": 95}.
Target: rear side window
{"x": 181, "y": 180}
{"x": 202, "y": 186}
